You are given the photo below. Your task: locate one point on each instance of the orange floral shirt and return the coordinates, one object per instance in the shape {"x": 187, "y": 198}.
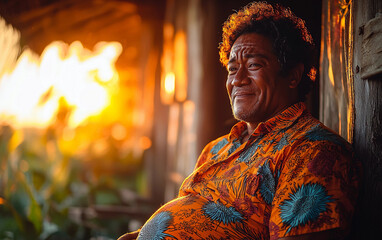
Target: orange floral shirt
{"x": 292, "y": 176}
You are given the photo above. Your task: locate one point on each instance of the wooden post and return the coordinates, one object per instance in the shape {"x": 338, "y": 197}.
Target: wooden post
{"x": 367, "y": 129}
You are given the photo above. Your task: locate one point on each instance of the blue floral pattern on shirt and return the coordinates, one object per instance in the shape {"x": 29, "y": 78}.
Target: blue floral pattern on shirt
{"x": 215, "y": 150}
{"x": 221, "y": 213}
{"x": 268, "y": 183}
{"x": 155, "y": 228}
{"x": 305, "y": 204}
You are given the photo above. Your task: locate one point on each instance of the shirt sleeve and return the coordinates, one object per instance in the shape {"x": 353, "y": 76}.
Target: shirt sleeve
{"x": 316, "y": 190}
{"x": 210, "y": 149}
{"x": 203, "y": 156}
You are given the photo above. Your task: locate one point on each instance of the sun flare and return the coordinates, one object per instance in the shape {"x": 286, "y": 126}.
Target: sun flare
{"x": 31, "y": 92}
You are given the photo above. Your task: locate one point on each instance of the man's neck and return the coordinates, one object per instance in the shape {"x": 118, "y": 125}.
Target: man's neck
{"x": 250, "y": 129}
{"x": 251, "y": 126}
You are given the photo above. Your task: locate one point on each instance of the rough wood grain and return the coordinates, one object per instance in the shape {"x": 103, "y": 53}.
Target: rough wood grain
{"x": 336, "y": 80}
{"x": 371, "y": 63}
{"x": 367, "y": 131}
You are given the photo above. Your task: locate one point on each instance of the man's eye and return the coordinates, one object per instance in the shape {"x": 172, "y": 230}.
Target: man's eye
{"x": 232, "y": 69}
{"x": 254, "y": 66}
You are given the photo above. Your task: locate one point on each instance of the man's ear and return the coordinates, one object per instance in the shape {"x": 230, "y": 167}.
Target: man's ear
{"x": 295, "y": 75}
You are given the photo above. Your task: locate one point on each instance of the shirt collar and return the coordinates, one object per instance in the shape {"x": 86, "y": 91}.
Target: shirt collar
{"x": 278, "y": 122}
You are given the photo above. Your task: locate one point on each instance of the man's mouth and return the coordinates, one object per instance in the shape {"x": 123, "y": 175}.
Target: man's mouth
{"x": 242, "y": 95}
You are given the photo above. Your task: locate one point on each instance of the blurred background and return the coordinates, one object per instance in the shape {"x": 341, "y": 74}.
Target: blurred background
{"x": 105, "y": 105}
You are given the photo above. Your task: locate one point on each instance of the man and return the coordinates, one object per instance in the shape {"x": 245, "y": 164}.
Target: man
{"x": 279, "y": 173}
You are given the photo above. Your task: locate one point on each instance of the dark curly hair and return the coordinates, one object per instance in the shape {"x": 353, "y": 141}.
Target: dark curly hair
{"x": 292, "y": 43}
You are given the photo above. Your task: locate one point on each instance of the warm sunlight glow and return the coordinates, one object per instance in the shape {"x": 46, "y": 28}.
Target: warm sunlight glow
{"x": 167, "y": 90}
{"x": 118, "y": 132}
{"x": 9, "y": 45}
{"x": 31, "y": 93}
{"x": 169, "y": 83}
{"x": 180, "y": 64}
{"x": 145, "y": 142}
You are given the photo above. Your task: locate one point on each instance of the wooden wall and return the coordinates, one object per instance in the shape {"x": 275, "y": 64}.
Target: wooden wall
{"x": 336, "y": 76}
{"x": 351, "y": 104}
{"x": 368, "y": 128}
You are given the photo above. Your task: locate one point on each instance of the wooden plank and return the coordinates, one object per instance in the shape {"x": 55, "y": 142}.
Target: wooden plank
{"x": 371, "y": 63}
{"x": 71, "y": 18}
{"x": 367, "y": 132}
{"x": 336, "y": 80}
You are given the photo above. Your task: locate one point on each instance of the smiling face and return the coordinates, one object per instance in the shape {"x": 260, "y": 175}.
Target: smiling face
{"x": 255, "y": 86}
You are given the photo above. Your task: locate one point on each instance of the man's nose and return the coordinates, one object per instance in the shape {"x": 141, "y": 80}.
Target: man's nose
{"x": 241, "y": 77}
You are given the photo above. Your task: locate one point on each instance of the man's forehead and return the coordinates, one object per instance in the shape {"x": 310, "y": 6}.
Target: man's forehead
{"x": 242, "y": 47}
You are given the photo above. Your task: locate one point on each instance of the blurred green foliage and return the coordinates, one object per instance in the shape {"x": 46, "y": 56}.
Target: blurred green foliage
{"x": 47, "y": 182}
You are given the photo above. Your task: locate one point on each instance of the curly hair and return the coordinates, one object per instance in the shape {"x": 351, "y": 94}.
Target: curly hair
{"x": 292, "y": 43}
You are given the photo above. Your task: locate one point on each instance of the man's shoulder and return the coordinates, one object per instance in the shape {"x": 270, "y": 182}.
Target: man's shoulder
{"x": 217, "y": 143}
{"x": 310, "y": 129}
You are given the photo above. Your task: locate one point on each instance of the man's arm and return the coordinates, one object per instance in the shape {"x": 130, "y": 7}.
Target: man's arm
{"x": 332, "y": 234}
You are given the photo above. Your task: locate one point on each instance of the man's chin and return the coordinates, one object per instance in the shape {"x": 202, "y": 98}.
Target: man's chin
{"x": 243, "y": 117}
